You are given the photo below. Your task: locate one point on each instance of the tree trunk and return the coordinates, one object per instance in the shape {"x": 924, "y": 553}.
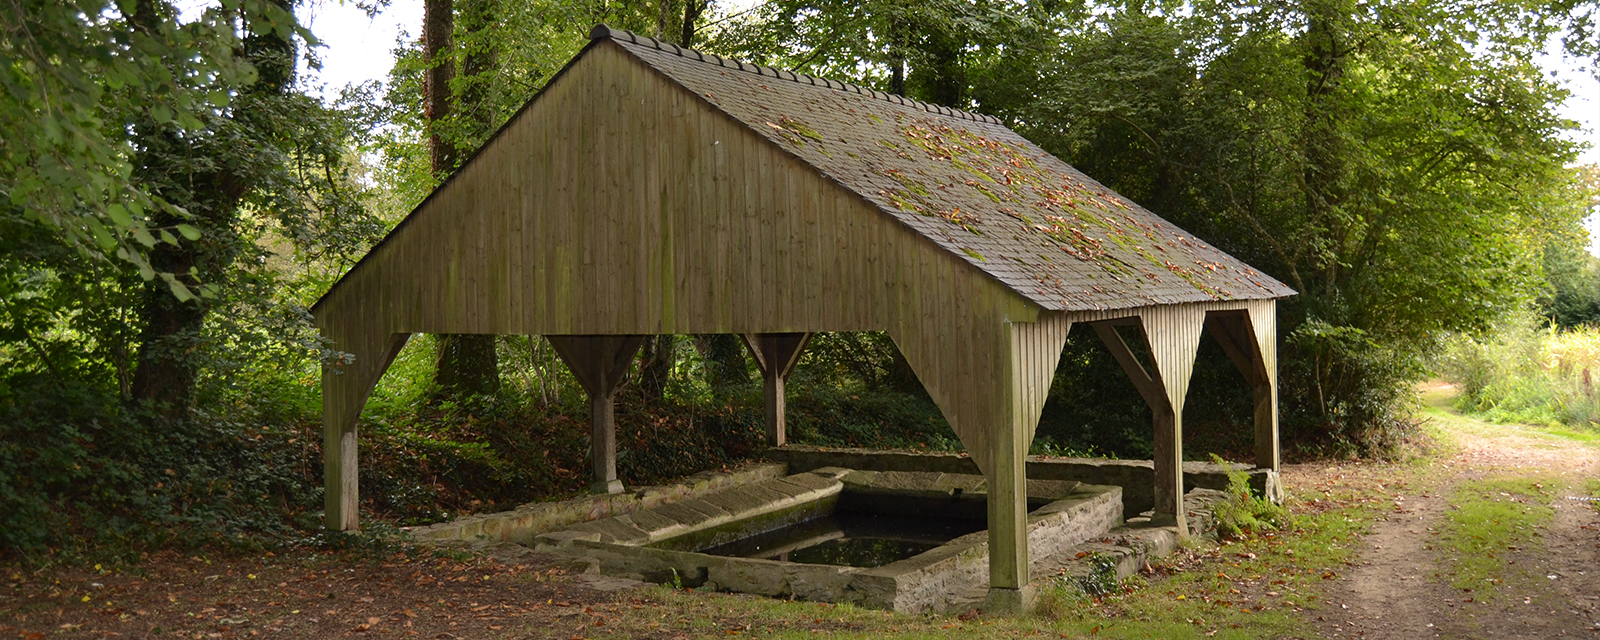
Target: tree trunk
{"x": 438, "y": 27}
{"x": 725, "y": 363}
{"x": 191, "y": 171}
{"x": 1322, "y": 144}
{"x": 692, "y": 10}
{"x": 655, "y": 365}
{"x": 481, "y": 60}
{"x": 466, "y": 364}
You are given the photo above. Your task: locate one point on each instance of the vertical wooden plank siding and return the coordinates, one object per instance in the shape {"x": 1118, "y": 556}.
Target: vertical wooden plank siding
{"x": 1174, "y": 335}
{"x": 1036, "y": 349}
{"x": 1264, "y": 326}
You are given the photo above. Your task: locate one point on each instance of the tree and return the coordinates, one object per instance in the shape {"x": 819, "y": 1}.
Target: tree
{"x": 1399, "y": 162}
{"x": 467, "y": 364}
{"x": 77, "y": 76}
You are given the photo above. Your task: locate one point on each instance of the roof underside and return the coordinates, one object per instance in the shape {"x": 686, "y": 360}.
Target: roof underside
{"x": 970, "y": 185}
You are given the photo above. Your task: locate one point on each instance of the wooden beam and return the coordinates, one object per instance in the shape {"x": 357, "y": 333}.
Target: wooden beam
{"x": 1234, "y": 330}
{"x": 776, "y": 354}
{"x": 599, "y": 363}
{"x": 1263, "y": 327}
{"x": 345, "y": 388}
{"x": 1173, "y": 332}
{"x": 1224, "y": 328}
{"x": 1148, "y": 386}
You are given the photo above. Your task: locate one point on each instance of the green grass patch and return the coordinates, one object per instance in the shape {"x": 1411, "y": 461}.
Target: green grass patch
{"x": 1489, "y": 523}
{"x": 1255, "y": 587}
{"x": 1444, "y": 421}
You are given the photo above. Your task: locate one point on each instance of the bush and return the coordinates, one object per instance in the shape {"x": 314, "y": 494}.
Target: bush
{"x": 81, "y": 474}
{"x": 1242, "y": 513}
{"x": 1527, "y": 372}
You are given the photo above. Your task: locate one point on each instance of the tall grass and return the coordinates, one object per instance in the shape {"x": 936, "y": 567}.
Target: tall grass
{"x": 1528, "y": 372}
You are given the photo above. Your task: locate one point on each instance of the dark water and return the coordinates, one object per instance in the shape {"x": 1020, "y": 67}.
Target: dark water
{"x": 850, "y": 539}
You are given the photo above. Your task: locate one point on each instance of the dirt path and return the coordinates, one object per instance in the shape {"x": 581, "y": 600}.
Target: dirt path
{"x": 1397, "y": 589}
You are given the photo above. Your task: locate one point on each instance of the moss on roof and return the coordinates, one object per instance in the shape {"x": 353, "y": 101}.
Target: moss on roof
{"x": 970, "y": 185}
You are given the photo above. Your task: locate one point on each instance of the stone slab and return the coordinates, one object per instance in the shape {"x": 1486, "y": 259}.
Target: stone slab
{"x": 524, "y": 523}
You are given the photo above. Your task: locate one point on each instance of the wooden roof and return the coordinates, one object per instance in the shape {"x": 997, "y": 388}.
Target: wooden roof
{"x": 962, "y": 180}
{"x": 969, "y": 184}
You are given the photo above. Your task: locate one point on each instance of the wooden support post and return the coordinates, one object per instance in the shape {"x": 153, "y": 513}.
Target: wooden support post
{"x": 344, "y": 391}
{"x": 1167, "y": 445}
{"x": 599, "y": 363}
{"x": 775, "y": 355}
{"x": 1236, "y": 333}
{"x": 1173, "y": 334}
{"x": 1264, "y": 328}
{"x": 991, "y": 381}
{"x": 1008, "y": 512}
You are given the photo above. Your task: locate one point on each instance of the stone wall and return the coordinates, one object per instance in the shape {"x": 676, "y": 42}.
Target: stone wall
{"x": 1136, "y": 477}
{"x": 522, "y": 524}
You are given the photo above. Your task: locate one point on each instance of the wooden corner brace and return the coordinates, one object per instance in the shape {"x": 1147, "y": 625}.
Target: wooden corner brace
{"x": 776, "y": 354}
{"x": 599, "y": 363}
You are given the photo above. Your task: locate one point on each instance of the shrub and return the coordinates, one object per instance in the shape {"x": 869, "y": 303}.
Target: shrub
{"x": 1527, "y": 372}
{"x": 1241, "y": 512}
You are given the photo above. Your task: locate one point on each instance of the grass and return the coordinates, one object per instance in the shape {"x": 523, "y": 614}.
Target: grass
{"x": 1490, "y": 524}
{"x": 1528, "y": 373}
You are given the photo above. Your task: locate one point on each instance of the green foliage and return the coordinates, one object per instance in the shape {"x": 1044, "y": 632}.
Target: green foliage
{"x": 80, "y": 78}
{"x": 1527, "y": 373}
{"x": 1241, "y": 513}
{"x": 1400, "y": 164}
{"x": 1571, "y": 296}
{"x": 1102, "y": 577}
{"x": 82, "y": 476}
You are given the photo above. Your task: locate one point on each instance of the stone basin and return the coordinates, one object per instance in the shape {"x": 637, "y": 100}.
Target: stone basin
{"x": 696, "y": 543}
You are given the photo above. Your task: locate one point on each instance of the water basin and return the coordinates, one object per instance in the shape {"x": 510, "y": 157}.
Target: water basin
{"x": 849, "y": 539}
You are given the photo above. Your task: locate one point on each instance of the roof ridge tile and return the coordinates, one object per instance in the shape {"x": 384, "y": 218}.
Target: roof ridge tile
{"x": 602, "y": 31}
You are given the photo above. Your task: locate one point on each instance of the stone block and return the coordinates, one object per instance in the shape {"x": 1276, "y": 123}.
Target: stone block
{"x": 818, "y": 583}
{"x": 564, "y": 539}
{"x": 618, "y": 531}
{"x": 740, "y": 501}
{"x": 470, "y": 528}
{"x": 766, "y": 492}
{"x": 814, "y": 481}
{"x": 686, "y": 513}
{"x": 448, "y": 531}
{"x": 786, "y": 488}
{"x": 749, "y": 575}
{"x": 654, "y": 524}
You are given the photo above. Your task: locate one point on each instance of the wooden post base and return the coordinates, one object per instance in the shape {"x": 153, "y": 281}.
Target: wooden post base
{"x": 1006, "y": 600}
{"x": 776, "y": 355}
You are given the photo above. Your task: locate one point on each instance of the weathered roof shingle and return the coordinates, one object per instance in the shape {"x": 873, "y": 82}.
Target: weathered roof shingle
{"x": 969, "y": 184}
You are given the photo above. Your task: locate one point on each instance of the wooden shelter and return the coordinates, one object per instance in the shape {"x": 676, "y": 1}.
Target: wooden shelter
{"x": 650, "y": 189}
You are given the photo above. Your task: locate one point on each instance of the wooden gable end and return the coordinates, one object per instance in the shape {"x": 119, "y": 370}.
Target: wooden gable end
{"x": 618, "y": 202}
